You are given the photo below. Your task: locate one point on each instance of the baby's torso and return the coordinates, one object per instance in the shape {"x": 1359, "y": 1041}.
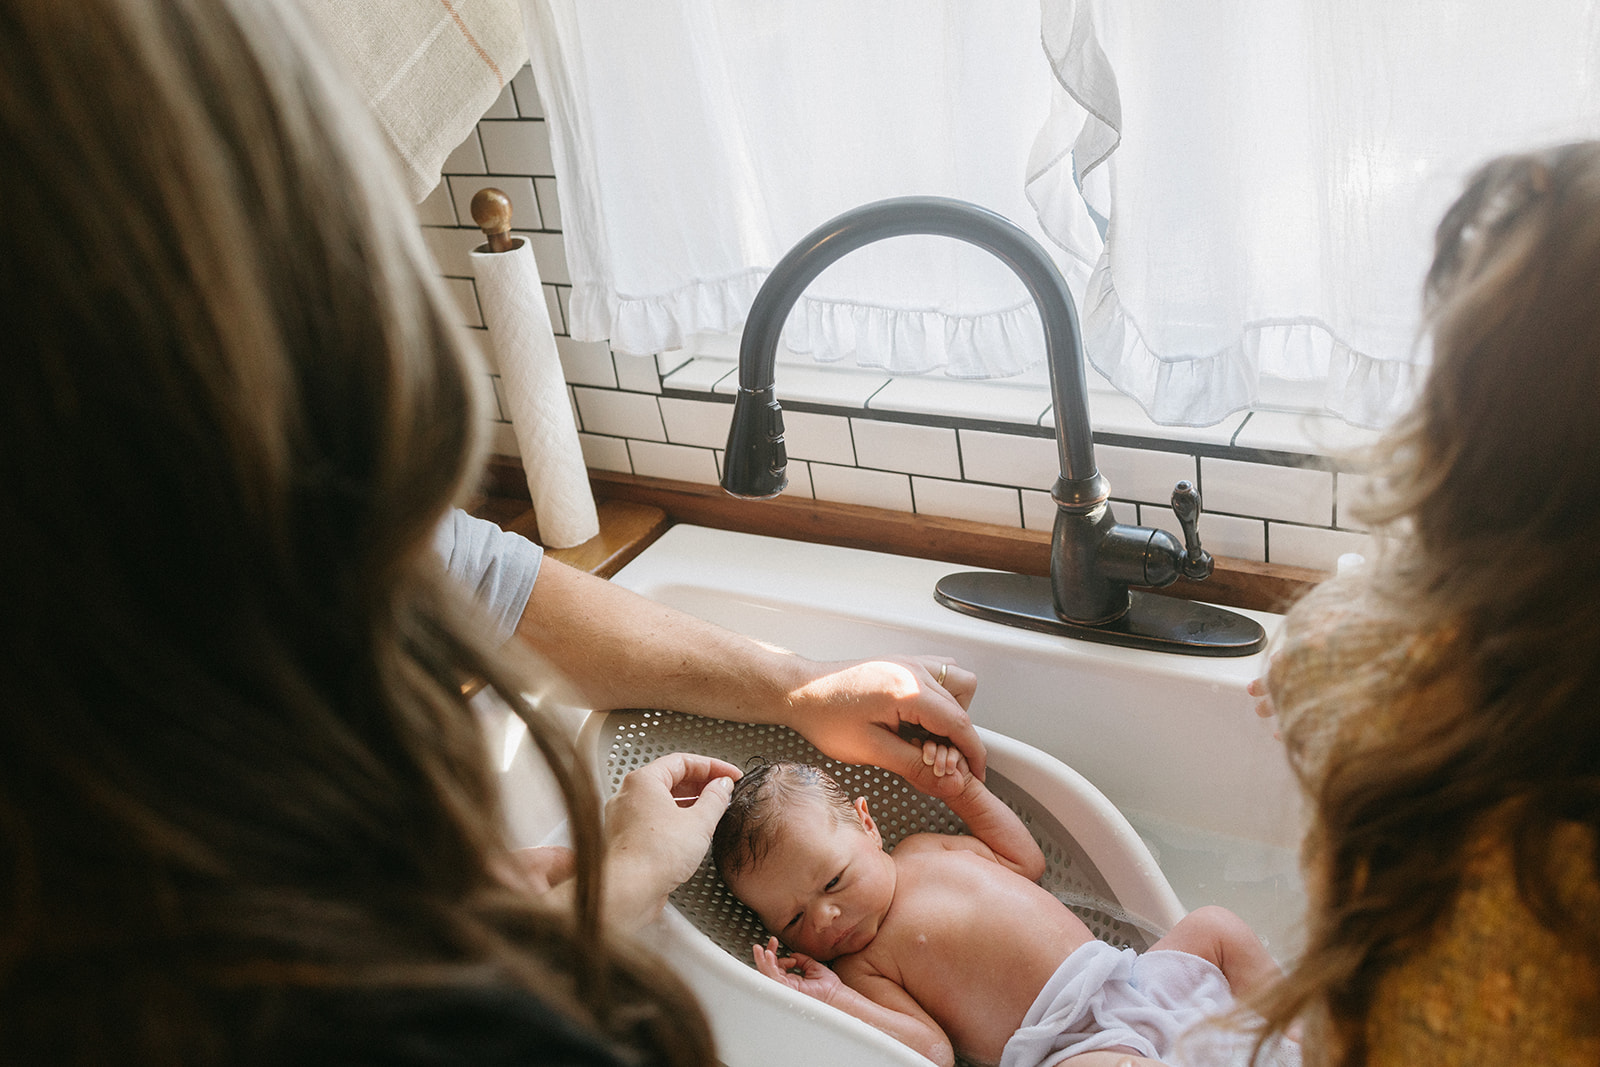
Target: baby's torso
{"x": 972, "y": 942}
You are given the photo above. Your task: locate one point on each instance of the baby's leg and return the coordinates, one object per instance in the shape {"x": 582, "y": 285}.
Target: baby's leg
{"x": 1218, "y": 935}
{"x": 1109, "y": 1058}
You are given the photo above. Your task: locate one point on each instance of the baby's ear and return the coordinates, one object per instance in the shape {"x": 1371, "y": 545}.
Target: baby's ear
{"x": 866, "y": 818}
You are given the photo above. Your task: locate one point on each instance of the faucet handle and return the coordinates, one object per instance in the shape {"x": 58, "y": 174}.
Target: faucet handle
{"x": 1197, "y": 562}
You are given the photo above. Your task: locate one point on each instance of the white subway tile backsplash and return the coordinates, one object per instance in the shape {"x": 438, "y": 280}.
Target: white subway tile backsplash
{"x": 564, "y": 297}
{"x": 1351, "y": 492}
{"x": 503, "y": 439}
{"x": 1008, "y": 459}
{"x": 702, "y": 423}
{"x": 835, "y": 386}
{"x": 504, "y": 106}
{"x": 549, "y": 202}
{"x": 1282, "y": 431}
{"x": 519, "y": 146}
{"x": 620, "y": 414}
{"x": 529, "y": 106}
{"x": 552, "y": 303}
{"x": 702, "y": 376}
{"x": 907, "y": 447}
{"x": 1038, "y": 510}
{"x": 1220, "y": 535}
{"x": 825, "y": 438}
{"x": 966, "y": 500}
{"x": 670, "y": 362}
{"x": 450, "y": 247}
{"x": 853, "y": 485}
{"x": 436, "y": 208}
{"x": 502, "y": 410}
{"x": 1142, "y": 474}
{"x": 1292, "y": 494}
{"x": 586, "y": 362}
{"x": 637, "y": 373}
{"x": 679, "y": 462}
{"x": 799, "y": 474}
{"x": 466, "y": 157}
{"x": 1310, "y": 546}
{"x": 605, "y": 453}
{"x": 465, "y": 294}
{"x": 1115, "y": 413}
{"x": 524, "y": 204}
{"x": 937, "y": 394}
{"x": 550, "y": 253}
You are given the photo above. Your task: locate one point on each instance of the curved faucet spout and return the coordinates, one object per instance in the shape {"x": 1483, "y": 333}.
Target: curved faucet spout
{"x": 755, "y": 458}
{"x": 1093, "y": 559}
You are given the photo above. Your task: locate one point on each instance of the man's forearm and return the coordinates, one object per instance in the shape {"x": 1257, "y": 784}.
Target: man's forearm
{"x": 623, "y": 650}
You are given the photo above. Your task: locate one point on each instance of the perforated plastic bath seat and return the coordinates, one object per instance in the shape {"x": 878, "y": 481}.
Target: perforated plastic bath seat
{"x": 1097, "y": 865}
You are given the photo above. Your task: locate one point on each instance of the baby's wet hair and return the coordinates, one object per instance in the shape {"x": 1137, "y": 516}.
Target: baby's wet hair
{"x": 755, "y": 813}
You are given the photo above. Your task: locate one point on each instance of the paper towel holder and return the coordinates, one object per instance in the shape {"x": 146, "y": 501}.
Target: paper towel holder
{"x": 491, "y": 210}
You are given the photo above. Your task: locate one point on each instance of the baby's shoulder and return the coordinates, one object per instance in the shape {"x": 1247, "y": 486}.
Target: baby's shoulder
{"x": 932, "y": 845}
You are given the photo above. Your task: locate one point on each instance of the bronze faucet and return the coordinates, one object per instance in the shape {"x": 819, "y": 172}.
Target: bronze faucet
{"x": 1093, "y": 558}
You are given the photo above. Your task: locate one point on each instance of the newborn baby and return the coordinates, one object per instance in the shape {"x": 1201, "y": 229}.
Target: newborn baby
{"x": 947, "y": 944}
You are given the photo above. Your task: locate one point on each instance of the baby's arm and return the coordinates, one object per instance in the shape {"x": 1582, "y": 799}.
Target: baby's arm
{"x": 992, "y": 824}
{"x": 878, "y": 1002}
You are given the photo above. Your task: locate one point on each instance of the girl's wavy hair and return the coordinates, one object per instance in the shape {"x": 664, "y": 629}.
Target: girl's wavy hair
{"x": 236, "y": 762}
{"x": 1491, "y": 480}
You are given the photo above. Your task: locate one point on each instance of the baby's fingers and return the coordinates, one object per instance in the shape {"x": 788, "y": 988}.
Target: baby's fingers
{"x": 944, "y": 759}
{"x": 767, "y": 962}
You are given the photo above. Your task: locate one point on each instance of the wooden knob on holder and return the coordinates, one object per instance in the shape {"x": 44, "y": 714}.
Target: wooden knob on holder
{"x": 491, "y": 210}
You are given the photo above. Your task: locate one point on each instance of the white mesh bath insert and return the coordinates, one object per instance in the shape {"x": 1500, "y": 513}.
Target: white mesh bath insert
{"x": 627, "y": 740}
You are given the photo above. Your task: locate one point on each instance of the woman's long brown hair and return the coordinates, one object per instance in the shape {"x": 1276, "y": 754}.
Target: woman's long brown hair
{"x": 1495, "y": 476}
{"x": 235, "y": 760}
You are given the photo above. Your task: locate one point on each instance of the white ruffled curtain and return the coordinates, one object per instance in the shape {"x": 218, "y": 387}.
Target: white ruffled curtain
{"x": 1272, "y": 171}
{"x": 696, "y": 141}
{"x": 1241, "y": 193}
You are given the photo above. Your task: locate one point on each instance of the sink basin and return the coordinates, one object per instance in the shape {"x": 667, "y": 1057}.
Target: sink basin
{"x": 1172, "y": 741}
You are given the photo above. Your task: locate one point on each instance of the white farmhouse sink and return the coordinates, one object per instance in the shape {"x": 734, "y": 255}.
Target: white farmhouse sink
{"x": 1172, "y": 741}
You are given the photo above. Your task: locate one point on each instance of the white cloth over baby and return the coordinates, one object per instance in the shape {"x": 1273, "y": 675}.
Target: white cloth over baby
{"x": 1163, "y": 1004}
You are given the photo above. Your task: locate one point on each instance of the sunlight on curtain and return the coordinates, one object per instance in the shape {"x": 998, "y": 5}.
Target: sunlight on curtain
{"x": 1268, "y": 174}
{"x": 695, "y": 141}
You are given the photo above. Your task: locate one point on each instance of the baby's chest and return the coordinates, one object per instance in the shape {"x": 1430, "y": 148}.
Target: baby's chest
{"x": 956, "y": 914}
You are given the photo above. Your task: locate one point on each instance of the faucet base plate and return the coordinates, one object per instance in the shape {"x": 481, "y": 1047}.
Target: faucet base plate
{"x": 1154, "y": 622}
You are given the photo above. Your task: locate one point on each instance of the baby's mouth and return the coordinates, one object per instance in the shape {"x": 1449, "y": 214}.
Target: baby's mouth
{"x": 840, "y": 943}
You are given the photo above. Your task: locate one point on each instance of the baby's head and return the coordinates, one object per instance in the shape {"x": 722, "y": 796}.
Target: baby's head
{"x": 805, "y": 858}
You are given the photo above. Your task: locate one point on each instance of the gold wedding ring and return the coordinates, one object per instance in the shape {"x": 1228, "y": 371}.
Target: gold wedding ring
{"x": 944, "y": 668}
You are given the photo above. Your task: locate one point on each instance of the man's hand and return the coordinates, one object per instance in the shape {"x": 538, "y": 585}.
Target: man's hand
{"x": 882, "y": 711}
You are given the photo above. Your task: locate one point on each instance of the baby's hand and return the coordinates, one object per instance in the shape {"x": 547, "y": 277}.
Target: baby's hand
{"x": 813, "y": 979}
{"x": 1259, "y": 689}
{"x": 950, "y": 770}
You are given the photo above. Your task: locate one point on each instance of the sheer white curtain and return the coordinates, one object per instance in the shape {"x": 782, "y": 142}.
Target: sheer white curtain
{"x": 1241, "y": 192}
{"x": 1267, "y": 174}
{"x": 696, "y": 141}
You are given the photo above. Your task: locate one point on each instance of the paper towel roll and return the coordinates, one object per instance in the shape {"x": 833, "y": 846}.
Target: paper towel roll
{"x": 541, "y": 416}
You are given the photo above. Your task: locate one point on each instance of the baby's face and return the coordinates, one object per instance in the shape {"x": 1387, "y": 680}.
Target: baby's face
{"x": 825, "y": 885}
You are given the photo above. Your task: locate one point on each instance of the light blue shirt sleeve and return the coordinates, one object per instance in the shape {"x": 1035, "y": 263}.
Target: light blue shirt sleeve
{"x": 498, "y": 567}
